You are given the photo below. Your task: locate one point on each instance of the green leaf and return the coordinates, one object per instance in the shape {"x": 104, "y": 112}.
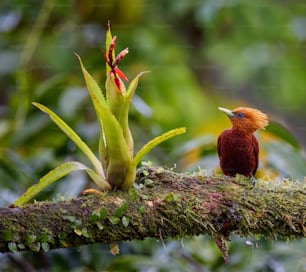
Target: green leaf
{"x": 108, "y": 41}
{"x": 119, "y": 157}
{"x": 149, "y": 182}
{"x": 121, "y": 210}
{"x": 142, "y": 209}
{"x": 115, "y": 149}
{"x": 99, "y": 102}
{"x": 12, "y": 246}
{"x": 45, "y": 247}
{"x": 53, "y": 176}
{"x": 7, "y": 235}
{"x": 288, "y": 160}
{"x": 125, "y": 221}
{"x": 132, "y": 194}
{"x": 99, "y": 225}
{"x": 78, "y": 231}
{"x": 85, "y": 232}
{"x": 30, "y": 239}
{"x": 130, "y": 176}
{"x": 156, "y": 141}
{"x": 103, "y": 213}
{"x": 44, "y": 238}
{"x": 113, "y": 95}
{"x": 21, "y": 246}
{"x": 282, "y": 133}
{"x": 114, "y": 220}
{"x": 170, "y": 197}
{"x": 124, "y": 112}
{"x": 69, "y": 218}
{"x": 98, "y": 180}
{"x": 73, "y": 137}
{"x": 35, "y": 246}
{"x": 98, "y": 214}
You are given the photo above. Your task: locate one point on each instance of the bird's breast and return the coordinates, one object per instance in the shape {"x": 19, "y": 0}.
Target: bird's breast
{"x": 238, "y": 153}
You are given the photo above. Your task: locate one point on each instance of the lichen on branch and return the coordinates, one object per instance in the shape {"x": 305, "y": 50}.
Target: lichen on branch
{"x": 162, "y": 204}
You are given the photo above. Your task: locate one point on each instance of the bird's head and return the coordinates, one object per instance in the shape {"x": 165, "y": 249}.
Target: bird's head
{"x": 247, "y": 120}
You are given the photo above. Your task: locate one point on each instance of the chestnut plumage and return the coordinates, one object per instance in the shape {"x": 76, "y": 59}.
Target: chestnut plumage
{"x": 237, "y": 147}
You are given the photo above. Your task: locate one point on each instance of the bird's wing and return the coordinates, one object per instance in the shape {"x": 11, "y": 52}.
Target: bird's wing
{"x": 219, "y": 145}
{"x": 256, "y": 151}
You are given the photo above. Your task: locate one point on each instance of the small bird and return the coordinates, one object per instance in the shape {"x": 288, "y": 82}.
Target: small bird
{"x": 237, "y": 147}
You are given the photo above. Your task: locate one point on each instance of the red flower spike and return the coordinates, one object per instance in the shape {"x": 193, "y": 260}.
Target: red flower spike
{"x": 121, "y": 74}
{"x": 115, "y": 72}
{"x": 120, "y": 56}
{"x": 118, "y": 83}
{"x": 106, "y": 59}
{"x": 116, "y": 80}
{"x": 111, "y": 49}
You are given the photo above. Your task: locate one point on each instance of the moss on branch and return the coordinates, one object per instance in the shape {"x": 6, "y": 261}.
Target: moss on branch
{"x": 164, "y": 204}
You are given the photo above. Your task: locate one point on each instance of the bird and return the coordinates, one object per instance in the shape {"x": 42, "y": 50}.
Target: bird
{"x": 238, "y": 147}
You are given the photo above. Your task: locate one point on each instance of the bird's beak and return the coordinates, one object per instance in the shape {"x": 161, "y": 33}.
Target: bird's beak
{"x": 228, "y": 112}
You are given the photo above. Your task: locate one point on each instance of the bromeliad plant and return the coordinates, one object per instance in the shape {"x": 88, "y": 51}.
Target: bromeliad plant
{"x": 117, "y": 165}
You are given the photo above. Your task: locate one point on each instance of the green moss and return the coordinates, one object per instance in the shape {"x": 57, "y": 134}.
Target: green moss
{"x": 133, "y": 194}
{"x": 35, "y": 246}
{"x": 121, "y": 210}
{"x": 62, "y": 210}
{"x": 182, "y": 204}
{"x": 142, "y": 209}
{"x": 76, "y": 223}
{"x": 62, "y": 239}
{"x": 102, "y": 214}
{"x": 98, "y": 214}
{"x": 30, "y": 239}
{"x": 144, "y": 196}
{"x": 7, "y": 235}
{"x": 172, "y": 197}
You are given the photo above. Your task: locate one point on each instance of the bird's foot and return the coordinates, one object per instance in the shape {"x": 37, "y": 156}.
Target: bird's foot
{"x": 253, "y": 180}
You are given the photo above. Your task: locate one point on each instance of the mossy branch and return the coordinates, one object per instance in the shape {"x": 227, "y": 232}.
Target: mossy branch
{"x": 164, "y": 205}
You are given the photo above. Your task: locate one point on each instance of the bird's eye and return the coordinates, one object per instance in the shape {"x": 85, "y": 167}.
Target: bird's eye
{"x": 239, "y": 114}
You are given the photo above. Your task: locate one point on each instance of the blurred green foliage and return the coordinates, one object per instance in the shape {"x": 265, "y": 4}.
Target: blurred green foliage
{"x": 202, "y": 54}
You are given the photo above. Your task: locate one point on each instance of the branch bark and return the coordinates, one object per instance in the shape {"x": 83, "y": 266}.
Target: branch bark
{"x": 163, "y": 204}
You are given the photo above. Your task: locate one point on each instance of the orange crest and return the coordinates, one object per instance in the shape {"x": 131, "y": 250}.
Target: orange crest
{"x": 247, "y": 119}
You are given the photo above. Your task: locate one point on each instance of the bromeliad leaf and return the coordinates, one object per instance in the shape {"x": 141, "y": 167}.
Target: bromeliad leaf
{"x": 56, "y": 174}
{"x": 99, "y": 102}
{"x": 114, "y": 149}
{"x": 119, "y": 157}
{"x": 73, "y": 137}
{"x": 108, "y": 41}
{"x": 156, "y": 141}
{"x": 124, "y": 113}
{"x": 94, "y": 90}
{"x": 130, "y": 176}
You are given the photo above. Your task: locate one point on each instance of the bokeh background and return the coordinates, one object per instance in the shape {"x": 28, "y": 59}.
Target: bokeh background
{"x": 201, "y": 54}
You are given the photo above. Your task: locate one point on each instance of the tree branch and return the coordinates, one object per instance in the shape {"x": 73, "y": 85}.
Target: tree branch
{"x": 163, "y": 204}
